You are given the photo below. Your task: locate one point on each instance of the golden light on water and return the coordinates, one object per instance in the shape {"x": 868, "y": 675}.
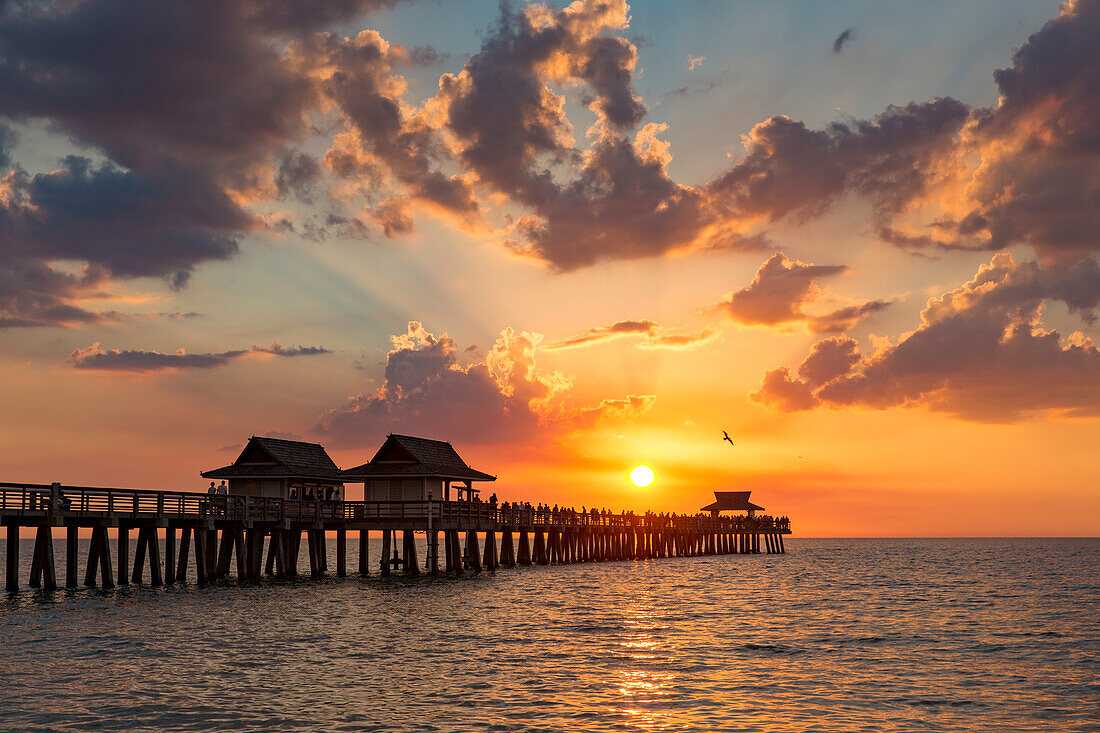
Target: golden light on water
{"x": 642, "y": 476}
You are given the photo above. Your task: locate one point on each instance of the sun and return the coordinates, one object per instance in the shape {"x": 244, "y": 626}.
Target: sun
{"x": 642, "y": 476}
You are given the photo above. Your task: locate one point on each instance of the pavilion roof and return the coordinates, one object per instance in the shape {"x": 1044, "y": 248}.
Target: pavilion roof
{"x": 732, "y": 501}
{"x": 407, "y": 455}
{"x": 278, "y": 458}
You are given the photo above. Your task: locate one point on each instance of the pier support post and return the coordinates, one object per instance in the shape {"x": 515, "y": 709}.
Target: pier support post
{"x": 202, "y": 539}
{"x": 384, "y": 568}
{"x": 782, "y": 549}
{"x": 540, "y": 547}
{"x": 490, "y": 559}
{"x": 524, "y": 556}
{"x": 341, "y": 553}
{"x": 456, "y": 551}
{"x": 99, "y": 557}
{"x": 43, "y": 572}
{"x": 139, "y": 557}
{"x": 364, "y": 552}
{"x": 412, "y": 564}
{"x": 473, "y": 554}
{"x": 433, "y": 551}
{"x": 507, "y": 549}
{"x": 170, "y": 554}
{"x": 123, "y": 546}
{"x": 71, "y": 552}
{"x": 185, "y": 549}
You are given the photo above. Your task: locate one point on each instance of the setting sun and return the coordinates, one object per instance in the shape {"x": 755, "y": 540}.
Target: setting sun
{"x": 642, "y": 476}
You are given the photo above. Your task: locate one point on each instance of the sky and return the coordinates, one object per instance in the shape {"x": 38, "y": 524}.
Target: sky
{"x": 570, "y": 239}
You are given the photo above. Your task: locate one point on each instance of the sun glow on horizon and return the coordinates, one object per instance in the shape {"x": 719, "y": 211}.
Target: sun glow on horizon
{"x": 642, "y": 476}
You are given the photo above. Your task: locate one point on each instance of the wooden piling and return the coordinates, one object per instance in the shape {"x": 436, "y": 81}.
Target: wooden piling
{"x": 364, "y": 552}
{"x": 123, "y": 545}
{"x": 412, "y": 564}
{"x": 507, "y": 549}
{"x": 433, "y": 551}
{"x": 490, "y": 559}
{"x": 523, "y": 556}
{"x": 473, "y": 554}
{"x": 385, "y": 566}
{"x": 185, "y": 549}
{"x": 540, "y": 548}
{"x": 170, "y": 554}
{"x": 71, "y": 555}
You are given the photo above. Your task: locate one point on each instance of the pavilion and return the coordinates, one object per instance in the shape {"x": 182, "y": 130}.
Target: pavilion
{"x": 732, "y": 501}
{"x": 407, "y": 468}
{"x": 287, "y": 469}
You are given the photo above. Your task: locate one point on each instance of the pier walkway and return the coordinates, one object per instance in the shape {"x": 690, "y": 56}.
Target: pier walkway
{"x": 264, "y": 535}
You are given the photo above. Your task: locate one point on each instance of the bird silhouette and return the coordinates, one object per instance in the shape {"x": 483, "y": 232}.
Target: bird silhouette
{"x": 727, "y": 437}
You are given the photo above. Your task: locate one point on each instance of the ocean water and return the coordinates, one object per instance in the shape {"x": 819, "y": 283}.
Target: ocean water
{"x": 836, "y": 635}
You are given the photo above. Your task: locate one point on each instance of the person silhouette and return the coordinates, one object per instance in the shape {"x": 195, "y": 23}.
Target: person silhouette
{"x": 223, "y": 488}
{"x": 212, "y": 490}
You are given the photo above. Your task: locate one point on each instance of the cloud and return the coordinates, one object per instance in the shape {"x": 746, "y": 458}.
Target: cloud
{"x": 980, "y": 353}
{"x": 842, "y": 39}
{"x": 503, "y": 398}
{"x": 655, "y": 337}
{"x": 783, "y": 288}
{"x": 94, "y": 358}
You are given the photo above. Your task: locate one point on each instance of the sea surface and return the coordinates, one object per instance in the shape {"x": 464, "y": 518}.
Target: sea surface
{"x": 836, "y": 635}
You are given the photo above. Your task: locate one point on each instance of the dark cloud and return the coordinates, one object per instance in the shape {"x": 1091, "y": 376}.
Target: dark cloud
{"x": 356, "y": 74}
{"x": 891, "y": 159}
{"x": 980, "y": 353}
{"x": 297, "y": 175}
{"x": 842, "y": 39}
{"x": 188, "y": 102}
{"x": 613, "y": 200}
{"x": 8, "y": 139}
{"x": 1038, "y": 182}
{"x": 115, "y": 360}
{"x": 781, "y": 291}
{"x": 504, "y": 398}
{"x": 655, "y": 337}
{"x": 33, "y": 294}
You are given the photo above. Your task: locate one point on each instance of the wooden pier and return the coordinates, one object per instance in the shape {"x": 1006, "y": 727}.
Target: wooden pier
{"x": 257, "y": 536}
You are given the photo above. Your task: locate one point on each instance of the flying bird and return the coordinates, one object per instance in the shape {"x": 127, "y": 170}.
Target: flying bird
{"x": 727, "y": 437}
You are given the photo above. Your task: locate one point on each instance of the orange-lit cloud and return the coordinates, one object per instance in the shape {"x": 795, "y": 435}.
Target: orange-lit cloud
{"x": 653, "y": 336}
{"x": 504, "y": 398}
{"x": 781, "y": 291}
{"x": 980, "y": 353}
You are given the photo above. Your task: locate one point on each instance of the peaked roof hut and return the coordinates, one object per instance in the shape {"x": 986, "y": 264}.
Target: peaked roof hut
{"x": 733, "y": 501}
{"x": 281, "y": 468}
{"x": 406, "y": 467}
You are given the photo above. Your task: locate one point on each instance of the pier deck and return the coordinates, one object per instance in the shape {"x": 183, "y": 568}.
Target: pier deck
{"x": 218, "y": 529}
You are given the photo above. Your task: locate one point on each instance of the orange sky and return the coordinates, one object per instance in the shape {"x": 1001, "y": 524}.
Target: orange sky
{"x": 874, "y": 266}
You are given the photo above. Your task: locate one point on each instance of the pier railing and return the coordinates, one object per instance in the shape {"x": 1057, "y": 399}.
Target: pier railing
{"x": 90, "y": 501}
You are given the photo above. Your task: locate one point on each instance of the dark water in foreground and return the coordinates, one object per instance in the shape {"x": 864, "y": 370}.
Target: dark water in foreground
{"x": 837, "y": 635}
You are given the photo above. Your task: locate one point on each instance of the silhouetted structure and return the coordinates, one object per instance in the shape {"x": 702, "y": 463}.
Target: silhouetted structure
{"x": 407, "y": 468}
{"x": 283, "y": 469}
{"x": 732, "y": 501}
{"x": 246, "y": 526}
